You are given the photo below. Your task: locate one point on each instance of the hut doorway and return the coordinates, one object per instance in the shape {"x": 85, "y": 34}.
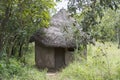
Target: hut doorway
{"x": 59, "y": 58}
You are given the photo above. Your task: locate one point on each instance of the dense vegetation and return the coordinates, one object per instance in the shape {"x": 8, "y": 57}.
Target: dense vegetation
{"x": 101, "y": 65}
{"x": 19, "y": 19}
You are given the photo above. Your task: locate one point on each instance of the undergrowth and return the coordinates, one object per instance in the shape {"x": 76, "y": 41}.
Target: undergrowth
{"x": 14, "y": 69}
{"x": 103, "y": 63}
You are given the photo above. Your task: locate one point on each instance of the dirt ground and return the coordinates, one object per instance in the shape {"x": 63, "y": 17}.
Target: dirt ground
{"x": 51, "y": 76}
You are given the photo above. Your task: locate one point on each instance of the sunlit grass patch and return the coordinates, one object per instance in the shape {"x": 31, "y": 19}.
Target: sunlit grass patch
{"x": 103, "y": 63}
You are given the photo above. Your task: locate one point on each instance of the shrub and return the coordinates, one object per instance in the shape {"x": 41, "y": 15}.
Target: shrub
{"x": 15, "y": 70}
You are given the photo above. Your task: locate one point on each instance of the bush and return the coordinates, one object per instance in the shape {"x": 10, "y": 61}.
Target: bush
{"x": 15, "y": 70}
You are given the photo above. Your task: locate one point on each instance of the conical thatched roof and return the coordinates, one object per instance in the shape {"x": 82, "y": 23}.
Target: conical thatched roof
{"x": 61, "y": 32}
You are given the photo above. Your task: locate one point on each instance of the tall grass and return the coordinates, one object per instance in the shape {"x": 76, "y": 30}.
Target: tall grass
{"x": 103, "y": 63}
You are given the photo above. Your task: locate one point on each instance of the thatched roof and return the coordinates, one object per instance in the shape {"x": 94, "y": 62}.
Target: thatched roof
{"x": 61, "y": 32}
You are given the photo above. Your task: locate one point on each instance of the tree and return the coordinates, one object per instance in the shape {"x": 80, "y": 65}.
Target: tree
{"x": 92, "y": 12}
{"x": 18, "y": 20}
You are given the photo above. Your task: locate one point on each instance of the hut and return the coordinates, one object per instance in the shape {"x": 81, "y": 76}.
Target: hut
{"x": 54, "y": 46}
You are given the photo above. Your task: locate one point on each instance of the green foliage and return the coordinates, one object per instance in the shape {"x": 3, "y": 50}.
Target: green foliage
{"x": 106, "y": 29}
{"x": 91, "y": 13}
{"x": 18, "y": 21}
{"x": 17, "y": 71}
{"x": 100, "y": 22}
{"x": 14, "y": 69}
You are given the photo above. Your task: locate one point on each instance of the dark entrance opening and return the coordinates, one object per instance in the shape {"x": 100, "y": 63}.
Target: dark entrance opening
{"x": 59, "y": 58}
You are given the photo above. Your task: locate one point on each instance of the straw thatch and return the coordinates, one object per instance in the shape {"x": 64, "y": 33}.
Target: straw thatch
{"x": 63, "y": 31}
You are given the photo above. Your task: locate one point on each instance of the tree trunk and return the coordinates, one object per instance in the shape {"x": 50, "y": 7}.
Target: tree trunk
{"x": 3, "y": 24}
{"x": 118, "y": 38}
{"x": 85, "y": 51}
{"x": 20, "y": 50}
{"x": 1, "y": 45}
